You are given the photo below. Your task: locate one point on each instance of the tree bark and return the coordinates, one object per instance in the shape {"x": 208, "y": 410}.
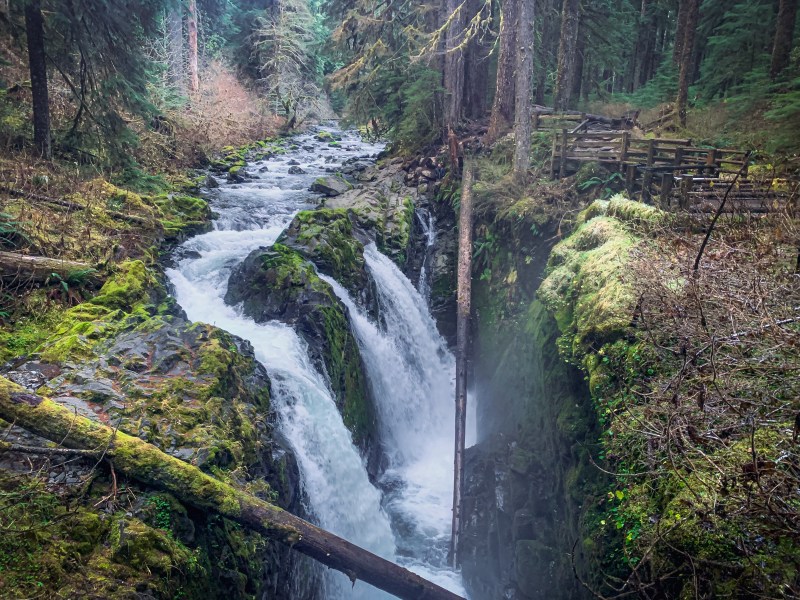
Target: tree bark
{"x": 680, "y": 32}
{"x": 546, "y": 26}
{"x": 566, "y": 54}
{"x": 784, "y": 35}
{"x": 580, "y": 49}
{"x": 191, "y": 25}
{"x": 464, "y": 303}
{"x": 38, "y": 269}
{"x": 37, "y": 62}
{"x": 454, "y": 66}
{"x": 175, "y": 47}
{"x": 147, "y": 464}
{"x": 522, "y": 114}
{"x": 476, "y": 68}
{"x": 687, "y": 59}
{"x": 644, "y": 46}
{"x": 503, "y": 105}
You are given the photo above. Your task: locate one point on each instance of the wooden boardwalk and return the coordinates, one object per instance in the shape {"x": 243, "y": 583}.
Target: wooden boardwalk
{"x": 672, "y": 172}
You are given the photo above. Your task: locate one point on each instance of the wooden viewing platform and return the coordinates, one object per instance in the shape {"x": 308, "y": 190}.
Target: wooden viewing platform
{"x": 676, "y": 172}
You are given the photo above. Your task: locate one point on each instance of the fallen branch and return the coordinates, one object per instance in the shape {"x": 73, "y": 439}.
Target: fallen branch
{"x": 147, "y": 464}
{"x": 5, "y": 446}
{"x": 16, "y": 193}
{"x": 39, "y": 269}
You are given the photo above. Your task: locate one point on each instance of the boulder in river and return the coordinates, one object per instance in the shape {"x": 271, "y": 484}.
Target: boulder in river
{"x": 277, "y": 283}
{"x": 295, "y": 170}
{"x": 331, "y": 186}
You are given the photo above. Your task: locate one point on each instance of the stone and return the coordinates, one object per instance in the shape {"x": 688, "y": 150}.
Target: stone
{"x": 211, "y": 182}
{"x": 295, "y": 170}
{"x": 331, "y": 186}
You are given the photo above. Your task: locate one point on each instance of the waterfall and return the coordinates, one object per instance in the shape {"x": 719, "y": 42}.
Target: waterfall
{"x": 428, "y": 224}
{"x": 411, "y": 372}
{"x": 408, "y": 518}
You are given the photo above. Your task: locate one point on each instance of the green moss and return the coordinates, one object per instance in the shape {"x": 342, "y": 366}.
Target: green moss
{"x": 586, "y": 287}
{"x": 325, "y": 237}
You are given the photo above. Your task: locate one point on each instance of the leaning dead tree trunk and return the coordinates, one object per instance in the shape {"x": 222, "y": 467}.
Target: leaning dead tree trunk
{"x": 147, "y": 464}
{"x": 38, "y": 269}
{"x": 462, "y": 347}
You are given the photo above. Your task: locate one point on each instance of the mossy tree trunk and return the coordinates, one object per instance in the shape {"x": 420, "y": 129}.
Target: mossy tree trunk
{"x": 146, "y": 463}
{"x": 566, "y": 53}
{"x": 503, "y": 106}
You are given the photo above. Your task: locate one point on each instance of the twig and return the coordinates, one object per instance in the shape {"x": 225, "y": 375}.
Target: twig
{"x": 719, "y": 212}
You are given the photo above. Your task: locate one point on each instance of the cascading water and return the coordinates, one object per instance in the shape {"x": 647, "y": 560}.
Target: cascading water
{"x": 411, "y": 372}
{"x": 415, "y": 401}
{"x": 428, "y": 224}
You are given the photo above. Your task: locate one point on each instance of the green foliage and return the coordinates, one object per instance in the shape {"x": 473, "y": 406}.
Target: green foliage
{"x": 11, "y": 232}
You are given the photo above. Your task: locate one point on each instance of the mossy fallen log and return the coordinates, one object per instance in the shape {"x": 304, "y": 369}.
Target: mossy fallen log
{"x": 147, "y": 464}
{"x": 39, "y": 269}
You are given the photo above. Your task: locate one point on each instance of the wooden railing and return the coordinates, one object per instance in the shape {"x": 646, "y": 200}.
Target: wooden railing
{"x": 672, "y": 171}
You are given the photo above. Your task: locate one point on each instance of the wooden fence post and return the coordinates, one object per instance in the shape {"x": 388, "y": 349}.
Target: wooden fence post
{"x": 711, "y": 161}
{"x": 648, "y": 174}
{"x": 630, "y": 177}
{"x": 667, "y": 180}
{"x": 563, "y": 166}
{"x": 686, "y": 187}
{"x": 623, "y": 153}
{"x": 678, "y": 156}
{"x": 536, "y": 121}
{"x": 553, "y": 159}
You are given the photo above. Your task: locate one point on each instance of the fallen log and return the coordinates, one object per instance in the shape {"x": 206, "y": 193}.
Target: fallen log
{"x": 464, "y": 302}
{"x": 38, "y": 269}
{"x": 612, "y": 121}
{"x": 149, "y": 465}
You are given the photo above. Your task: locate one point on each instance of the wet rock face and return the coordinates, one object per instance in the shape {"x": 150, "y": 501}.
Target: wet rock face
{"x": 527, "y": 479}
{"x": 277, "y": 283}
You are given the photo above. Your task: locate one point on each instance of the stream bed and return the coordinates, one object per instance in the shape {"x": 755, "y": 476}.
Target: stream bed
{"x": 406, "y": 516}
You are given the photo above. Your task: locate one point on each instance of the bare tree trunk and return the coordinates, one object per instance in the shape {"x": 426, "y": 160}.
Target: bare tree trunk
{"x": 580, "y": 49}
{"x": 462, "y": 348}
{"x": 546, "y": 25}
{"x": 687, "y": 59}
{"x": 522, "y": 114}
{"x": 784, "y": 34}
{"x": 566, "y": 53}
{"x": 643, "y": 39}
{"x": 148, "y": 464}
{"x": 175, "y": 47}
{"x": 476, "y": 67}
{"x": 503, "y": 106}
{"x": 680, "y": 32}
{"x": 454, "y": 66}
{"x": 191, "y": 24}
{"x": 34, "y": 28}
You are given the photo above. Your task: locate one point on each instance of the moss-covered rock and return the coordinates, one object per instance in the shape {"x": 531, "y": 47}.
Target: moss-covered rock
{"x": 130, "y": 358}
{"x": 329, "y": 238}
{"x": 279, "y": 284}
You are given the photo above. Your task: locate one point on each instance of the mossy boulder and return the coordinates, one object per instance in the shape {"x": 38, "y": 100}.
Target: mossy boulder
{"x": 277, "y": 283}
{"x": 331, "y": 239}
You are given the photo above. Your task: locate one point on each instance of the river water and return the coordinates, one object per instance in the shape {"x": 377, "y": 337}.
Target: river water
{"x": 406, "y": 518}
